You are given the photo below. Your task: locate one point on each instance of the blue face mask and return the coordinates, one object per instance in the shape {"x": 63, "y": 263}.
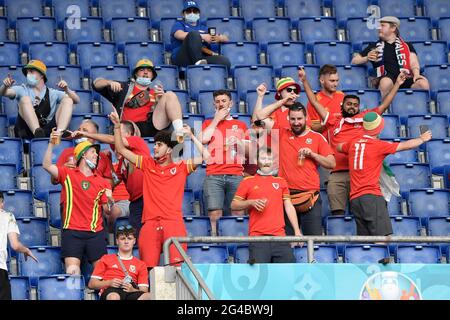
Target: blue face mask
{"x": 192, "y": 17}
{"x": 90, "y": 164}
{"x": 31, "y": 80}
{"x": 80, "y": 140}
{"x": 143, "y": 81}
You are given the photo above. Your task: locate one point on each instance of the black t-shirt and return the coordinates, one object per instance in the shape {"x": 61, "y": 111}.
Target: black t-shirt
{"x": 116, "y": 98}
{"x": 390, "y": 58}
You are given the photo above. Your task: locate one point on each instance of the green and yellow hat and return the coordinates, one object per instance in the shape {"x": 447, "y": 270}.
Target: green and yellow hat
{"x": 82, "y": 147}
{"x": 283, "y": 83}
{"x": 37, "y": 65}
{"x": 145, "y": 63}
{"x": 373, "y": 123}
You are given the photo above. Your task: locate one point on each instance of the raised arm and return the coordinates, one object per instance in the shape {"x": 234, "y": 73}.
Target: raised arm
{"x": 118, "y": 140}
{"x": 206, "y": 135}
{"x": 388, "y": 99}
{"x": 100, "y": 83}
{"x": 70, "y": 93}
{"x": 200, "y": 147}
{"x": 260, "y": 113}
{"x": 414, "y": 143}
{"x": 311, "y": 96}
{"x": 47, "y": 162}
{"x": 5, "y": 89}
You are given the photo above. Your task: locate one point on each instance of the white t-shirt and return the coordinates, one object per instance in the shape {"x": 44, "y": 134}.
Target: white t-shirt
{"x": 8, "y": 224}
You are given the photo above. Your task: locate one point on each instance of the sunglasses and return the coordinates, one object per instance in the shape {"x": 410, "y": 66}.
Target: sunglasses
{"x": 295, "y": 90}
{"x": 127, "y": 227}
{"x": 192, "y": 10}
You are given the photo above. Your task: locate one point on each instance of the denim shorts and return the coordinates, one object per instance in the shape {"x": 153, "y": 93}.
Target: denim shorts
{"x": 219, "y": 190}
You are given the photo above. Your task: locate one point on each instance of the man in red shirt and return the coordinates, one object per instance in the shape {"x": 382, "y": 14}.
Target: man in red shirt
{"x": 126, "y": 171}
{"x": 164, "y": 182}
{"x": 301, "y": 152}
{"x": 266, "y": 196}
{"x": 344, "y": 128}
{"x": 121, "y": 276}
{"x": 142, "y": 102}
{"x": 328, "y": 96}
{"x": 365, "y": 158}
{"x": 226, "y": 139}
{"x": 86, "y": 194}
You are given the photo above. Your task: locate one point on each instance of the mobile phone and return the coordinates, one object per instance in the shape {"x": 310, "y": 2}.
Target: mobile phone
{"x": 259, "y": 123}
{"x": 212, "y": 31}
{"x": 423, "y": 128}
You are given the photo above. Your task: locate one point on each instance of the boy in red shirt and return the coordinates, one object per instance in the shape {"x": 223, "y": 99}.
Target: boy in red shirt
{"x": 266, "y": 196}
{"x": 115, "y": 282}
{"x": 365, "y": 159}
{"x": 164, "y": 182}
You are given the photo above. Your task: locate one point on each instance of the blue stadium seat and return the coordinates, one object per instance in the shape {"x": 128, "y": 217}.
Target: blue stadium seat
{"x": 150, "y": 144}
{"x": 188, "y": 202}
{"x": 411, "y": 176}
{"x": 438, "y": 153}
{"x": 326, "y": 211}
{"x": 352, "y": 77}
{"x": 437, "y": 123}
{"x": 241, "y": 53}
{"x": 350, "y": 9}
{"x": 197, "y": 226}
{"x": 115, "y": 249}
{"x": 408, "y": 102}
{"x": 444, "y": 29}
{"x": 51, "y": 53}
{"x": 208, "y": 253}
{"x": 4, "y": 29}
{"x": 85, "y": 105}
{"x": 417, "y": 254}
{"x": 168, "y": 75}
{"x": 130, "y": 29}
{"x": 250, "y": 99}
{"x": 15, "y": 71}
{"x": 406, "y": 156}
{"x": 428, "y": 203}
{"x": 443, "y": 102}
{"x": 405, "y": 8}
{"x": 415, "y": 29}
{"x": 250, "y": 77}
{"x": 302, "y": 8}
{"x": 431, "y": 52}
{"x": 8, "y": 172}
{"x": 232, "y": 27}
{"x": 332, "y": 53}
{"x": 405, "y": 226}
{"x": 119, "y": 73}
{"x": 19, "y": 202}
{"x": 205, "y": 77}
{"x": 195, "y": 121}
{"x": 49, "y": 263}
{"x": 39, "y": 146}
{"x": 436, "y": 8}
{"x": 88, "y": 30}
{"x": 357, "y": 31}
{"x": 195, "y": 181}
{"x": 340, "y": 225}
{"x": 438, "y": 226}
{"x": 246, "y": 118}
{"x": 395, "y": 206}
{"x": 241, "y": 254}
{"x": 257, "y": 9}
{"x": 214, "y": 8}
{"x": 20, "y": 288}
{"x": 11, "y": 152}
{"x": 322, "y": 254}
{"x": 391, "y": 127}
{"x": 23, "y": 8}
{"x": 64, "y": 9}
{"x": 102, "y": 121}
{"x": 159, "y": 9}
{"x": 61, "y": 287}
{"x": 110, "y": 9}
{"x": 232, "y": 226}
{"x": 285, "y": 53}
{"x": 11, "y": 111}
{"x": 369, "y": 99}
{"x": 165, "y": 27}
{"x": 311, "y": 70}
{"x": 54, "y": 209}
{"x": 41, "y": 183}
{"x": 317, "y": 29}
{"x": 205, "y": 103}
{"x": 71, "y": 74}
{"x": 9, "y": 53}
{"x": 365, "y": 253}
{"x": 183, "y": 97}
{"x": 135, "y": 51}
{"x": 36, "y": 29}
{"x": 438, "y": 77}
{"x": 271, "y": 29}
{"x": 33, "y": 231}
{"x": 96, "y": 54}
{"x": 3, "y": 125}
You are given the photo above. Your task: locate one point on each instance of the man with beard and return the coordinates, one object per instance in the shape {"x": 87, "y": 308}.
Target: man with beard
{"x": 265, "y": 196}
{"x": 301, "y": 152}
{"x": 344, "y": 128}
{"x": 328, "y": 96}
{"x": 390, "y": 56}
{"x": 139, "y": 101}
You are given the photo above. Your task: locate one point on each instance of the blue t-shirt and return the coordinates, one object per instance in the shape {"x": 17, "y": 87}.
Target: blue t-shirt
{"x": 186, "y": 27}
{"x": 55, "y": 96}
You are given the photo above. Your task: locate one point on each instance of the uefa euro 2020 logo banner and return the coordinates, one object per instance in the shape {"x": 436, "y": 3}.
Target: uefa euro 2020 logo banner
{"x": 389, "y": 285}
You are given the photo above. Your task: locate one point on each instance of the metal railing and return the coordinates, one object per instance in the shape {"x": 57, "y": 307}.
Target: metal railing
{"x": 309, "y": 240}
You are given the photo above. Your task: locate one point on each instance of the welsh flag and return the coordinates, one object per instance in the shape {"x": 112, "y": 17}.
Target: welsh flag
{"x": 388, "y": 184}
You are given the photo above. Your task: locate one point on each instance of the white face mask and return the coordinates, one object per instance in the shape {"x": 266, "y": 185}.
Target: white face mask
{"x": 90, "y": 164}
{"x": 80, "y": 140}
{"x": 143, "y": 81}
{"x": 32, "y": 81}
{"x": 192, "y": 17}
